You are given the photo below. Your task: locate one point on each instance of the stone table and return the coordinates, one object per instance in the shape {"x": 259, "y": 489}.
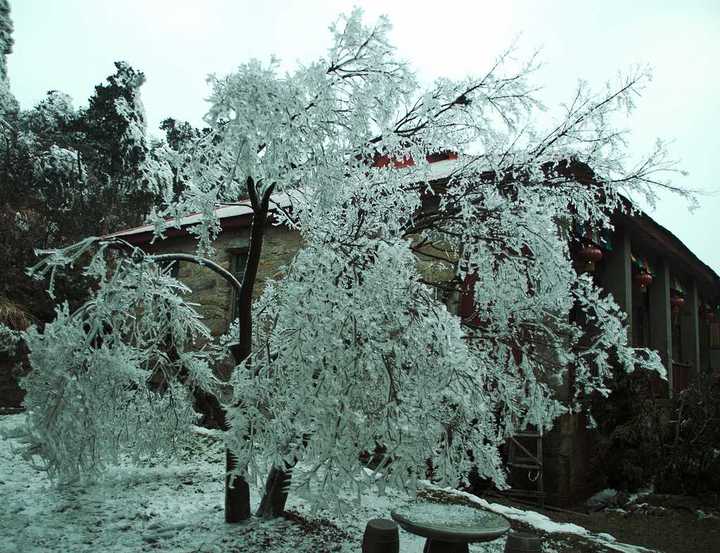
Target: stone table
{"x": 449, "y": 528}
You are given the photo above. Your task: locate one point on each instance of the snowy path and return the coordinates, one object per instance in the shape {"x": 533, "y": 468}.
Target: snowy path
{"x": 178, "y": 508}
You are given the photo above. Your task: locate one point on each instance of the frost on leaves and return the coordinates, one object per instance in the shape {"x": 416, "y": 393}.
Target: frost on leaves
{"x": 352, "y": 352}
{"x": 114, "y": 377}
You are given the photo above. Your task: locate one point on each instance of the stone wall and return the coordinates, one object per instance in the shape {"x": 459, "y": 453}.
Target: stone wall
{"x": 214, "y": 295}
{"x": 211, "y": 291}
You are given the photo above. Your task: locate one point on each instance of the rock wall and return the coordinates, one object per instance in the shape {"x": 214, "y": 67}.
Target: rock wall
{"x": 210, "y": 290}
{"x": 214, "y": 295}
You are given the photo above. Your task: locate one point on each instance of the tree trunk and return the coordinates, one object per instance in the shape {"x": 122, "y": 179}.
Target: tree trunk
{"x": 273, "y": 502}
{"x": 237, "y": 491}
{"x": 213, "y": 415}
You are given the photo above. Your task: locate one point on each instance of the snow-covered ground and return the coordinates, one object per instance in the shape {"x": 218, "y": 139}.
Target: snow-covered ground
{"x": 544, "y": 524}
{"x": 153, "y": 508}
{"x": 178, "y": 508}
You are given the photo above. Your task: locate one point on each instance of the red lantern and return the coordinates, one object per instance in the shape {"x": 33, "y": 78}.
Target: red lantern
{"x": 381, "y": 161}
{"x": 644, "y": 279}
{"x": 590, "y": 255}
{"x": 677, "y": 302}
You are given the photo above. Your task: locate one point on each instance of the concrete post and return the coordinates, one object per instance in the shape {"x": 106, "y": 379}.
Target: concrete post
{"x": 381, "y": 536}
{"x": 660, "y": 317}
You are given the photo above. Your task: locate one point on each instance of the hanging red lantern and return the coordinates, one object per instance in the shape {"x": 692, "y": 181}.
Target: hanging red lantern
{"x": 644, "y": 279}
{"x": 676, "y": 303}
{"x": 590, "y": 255}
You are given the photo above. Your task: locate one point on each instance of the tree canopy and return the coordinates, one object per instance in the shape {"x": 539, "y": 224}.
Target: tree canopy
{"x": 354, "y": 349}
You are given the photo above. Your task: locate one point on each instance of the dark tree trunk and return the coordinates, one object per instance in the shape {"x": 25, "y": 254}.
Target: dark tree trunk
{"x": 237, "y": 497}
{"x": 276, "y": 493}
{"x": 237, "y": 492}
{"x": 213, "y": 415}
{"x": 278, "y": 480}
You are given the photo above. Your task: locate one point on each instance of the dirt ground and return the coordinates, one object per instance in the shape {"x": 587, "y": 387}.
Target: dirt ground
{"x": 669, "y": 524}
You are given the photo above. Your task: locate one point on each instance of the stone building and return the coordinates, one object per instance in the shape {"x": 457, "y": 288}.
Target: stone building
{"x": 210, "y": 290}
{"x": 279, "y": 246}
{"x": 669, "y": 295}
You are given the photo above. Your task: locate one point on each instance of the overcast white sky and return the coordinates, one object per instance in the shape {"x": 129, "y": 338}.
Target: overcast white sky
{"x": 70, "y": 45}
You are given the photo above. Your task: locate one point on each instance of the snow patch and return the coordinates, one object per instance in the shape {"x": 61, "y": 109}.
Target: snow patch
{"x": 545, "y": 524}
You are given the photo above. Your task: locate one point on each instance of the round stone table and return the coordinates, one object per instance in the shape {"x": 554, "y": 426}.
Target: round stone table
{"x": 449, "y": 528}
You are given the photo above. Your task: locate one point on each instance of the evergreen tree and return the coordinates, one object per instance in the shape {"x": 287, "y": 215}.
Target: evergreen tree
{"x": 68, "y": 173}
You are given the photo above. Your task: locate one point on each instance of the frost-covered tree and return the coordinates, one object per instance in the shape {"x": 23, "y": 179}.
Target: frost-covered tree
{"x": 8, "y": 104}
{"x": 88, "y": 394}
{"x": 179, "y": 136}
{"x": 97, "y": 161}
{"x": 68, "y": 173}
{"x": 354, "y": 350}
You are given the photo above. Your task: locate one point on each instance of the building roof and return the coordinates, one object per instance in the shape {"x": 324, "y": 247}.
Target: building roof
{"x": 232, "y": 215}
{"x": 239, "y": 215}
{"x": 649, "y": 232}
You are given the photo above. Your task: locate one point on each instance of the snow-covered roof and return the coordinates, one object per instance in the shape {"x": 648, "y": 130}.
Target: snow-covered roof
{"x": 225, "y": 211}
{"x": 437, "y": 170}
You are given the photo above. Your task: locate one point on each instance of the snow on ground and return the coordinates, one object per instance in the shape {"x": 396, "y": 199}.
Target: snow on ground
{"x": 178, "y": 508}
{"x": 152, "y": 508}
{"x": 544, "y": 524}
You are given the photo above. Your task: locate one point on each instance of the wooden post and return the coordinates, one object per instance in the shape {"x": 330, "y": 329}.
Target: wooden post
{"x": 690, "y": 325}
{"x": 618, "y": 275}
{"x": 660, "y": 317}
